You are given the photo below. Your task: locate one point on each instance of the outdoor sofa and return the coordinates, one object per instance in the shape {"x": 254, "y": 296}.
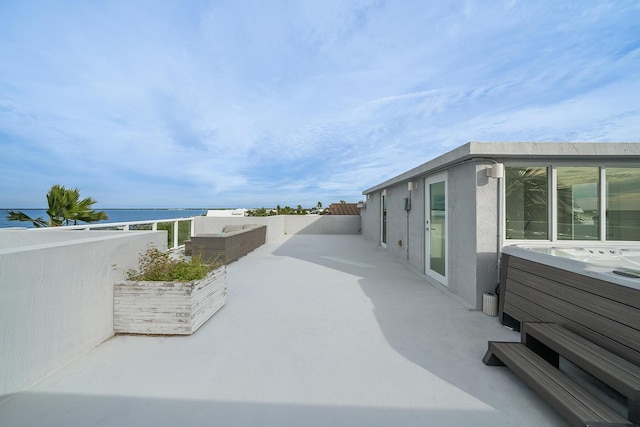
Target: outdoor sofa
{"x": 235, "y": 241}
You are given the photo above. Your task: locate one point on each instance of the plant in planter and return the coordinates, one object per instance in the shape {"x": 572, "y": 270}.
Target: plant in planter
{"x": 168, "y": 295}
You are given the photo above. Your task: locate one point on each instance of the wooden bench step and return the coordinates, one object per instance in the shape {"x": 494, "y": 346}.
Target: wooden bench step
{"x": 574, "y": 403}
{"x": 550, "y": 340}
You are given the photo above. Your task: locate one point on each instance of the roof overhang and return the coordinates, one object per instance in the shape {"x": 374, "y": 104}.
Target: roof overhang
{"x": 517, "y": 150}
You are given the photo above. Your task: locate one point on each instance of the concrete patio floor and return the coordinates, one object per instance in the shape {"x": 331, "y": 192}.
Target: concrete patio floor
{"x": 318, "y": 330}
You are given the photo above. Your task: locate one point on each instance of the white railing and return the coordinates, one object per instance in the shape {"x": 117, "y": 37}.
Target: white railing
{"x": 174, "y": 233}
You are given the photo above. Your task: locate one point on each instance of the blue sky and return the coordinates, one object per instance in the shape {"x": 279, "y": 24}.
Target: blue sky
{"x": 258, "y": 103}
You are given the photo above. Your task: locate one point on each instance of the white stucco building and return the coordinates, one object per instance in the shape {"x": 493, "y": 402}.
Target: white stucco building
{"x": 451, "y": 216}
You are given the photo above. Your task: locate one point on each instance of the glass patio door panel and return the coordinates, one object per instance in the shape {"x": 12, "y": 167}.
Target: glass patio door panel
{"x": 578, "y": 203}
{"x": 623, "y": 204}
{"x": 527, "y": 202}
{"x": 436, "y": 228}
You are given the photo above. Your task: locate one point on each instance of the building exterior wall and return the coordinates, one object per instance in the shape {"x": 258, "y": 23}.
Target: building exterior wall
{"x": 397, "y": 221}
{"x": 462, "y": 238}
{"x": 415, "y": 240}
{"x": 488, "y": 243}
{"x": 370, "y": 217}
{"x": 474, "y": 206}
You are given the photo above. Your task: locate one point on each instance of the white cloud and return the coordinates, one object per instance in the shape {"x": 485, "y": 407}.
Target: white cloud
{"x": 316, "y": 100}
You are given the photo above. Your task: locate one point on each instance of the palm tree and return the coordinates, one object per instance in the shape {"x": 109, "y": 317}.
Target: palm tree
{"x": 80, "y": 210}
{"x": 59, "y": 201}
{"x": 64, "y": 208}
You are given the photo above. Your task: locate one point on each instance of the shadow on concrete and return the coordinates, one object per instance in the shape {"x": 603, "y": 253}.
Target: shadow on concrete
{"x": 421, "y": 322}
{"x": 42, "y": 409}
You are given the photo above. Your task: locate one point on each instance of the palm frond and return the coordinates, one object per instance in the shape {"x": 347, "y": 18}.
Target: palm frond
{"x": 21, "y": 216}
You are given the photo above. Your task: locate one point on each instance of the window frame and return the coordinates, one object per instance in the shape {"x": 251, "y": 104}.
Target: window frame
{"x": 504, "y": 201}
{"x": 552, "y": 203}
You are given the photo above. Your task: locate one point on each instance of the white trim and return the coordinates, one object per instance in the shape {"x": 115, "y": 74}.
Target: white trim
{"x": 441, "y": 177}
{"x": 552, "y": 227}
{"x": 602, "y": 215}
{"x": 383, "y": 220}
{"x": 502, "y": 214}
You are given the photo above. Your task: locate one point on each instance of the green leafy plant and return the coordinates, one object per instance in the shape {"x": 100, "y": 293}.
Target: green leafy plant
{"x": 64, "y": 208}
{"x": 156, "y": 265}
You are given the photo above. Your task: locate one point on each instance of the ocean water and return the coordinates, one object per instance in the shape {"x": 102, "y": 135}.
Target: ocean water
{"x": 115, "y": 215}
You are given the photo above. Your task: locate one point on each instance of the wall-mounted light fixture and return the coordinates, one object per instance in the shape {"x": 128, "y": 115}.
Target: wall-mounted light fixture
{"x": 412, "y": 185}
{"x": 495, "y": 170}
{"x": 385, "y": 192}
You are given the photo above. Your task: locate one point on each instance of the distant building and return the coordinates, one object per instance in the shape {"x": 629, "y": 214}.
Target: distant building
{"x": 343, "y": 209}
{"x": 227, "y": 212}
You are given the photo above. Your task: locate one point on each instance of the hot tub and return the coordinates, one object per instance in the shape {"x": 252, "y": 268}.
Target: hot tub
{"x": 616, "y": 264}
{"x": 592, "y": 290}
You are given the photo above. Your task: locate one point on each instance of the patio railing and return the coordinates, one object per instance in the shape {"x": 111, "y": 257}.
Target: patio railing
{"x": 178, "y": 229}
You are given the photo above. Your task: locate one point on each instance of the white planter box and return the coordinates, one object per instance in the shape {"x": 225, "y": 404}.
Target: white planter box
{"x": 171, "y": 308}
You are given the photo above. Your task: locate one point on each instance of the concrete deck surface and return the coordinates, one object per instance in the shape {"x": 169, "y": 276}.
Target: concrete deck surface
{"x": 318, "y": 330}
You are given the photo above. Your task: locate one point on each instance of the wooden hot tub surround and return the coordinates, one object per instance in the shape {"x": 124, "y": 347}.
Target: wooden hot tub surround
{"x": 561, "y": 312}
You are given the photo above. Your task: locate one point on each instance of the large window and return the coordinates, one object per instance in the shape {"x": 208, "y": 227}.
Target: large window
{"x": 526, "y": 192}
{"x": 578, "y": 206}
{"x": 623, "y": 203}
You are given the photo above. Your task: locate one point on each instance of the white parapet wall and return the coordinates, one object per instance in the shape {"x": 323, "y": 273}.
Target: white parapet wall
{"x": 56, "y": 296}
{"x": 322, "y": 224}
{"x": 280, "y": 226}
{"x": 209, "y": 225}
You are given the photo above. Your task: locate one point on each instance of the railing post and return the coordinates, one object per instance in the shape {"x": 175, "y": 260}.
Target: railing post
{"x": 176, "y": 224}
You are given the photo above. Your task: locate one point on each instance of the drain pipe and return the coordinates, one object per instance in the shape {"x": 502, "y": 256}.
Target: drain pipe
{"x": 408, "y": 229}
{"x": 497, "y": 171}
